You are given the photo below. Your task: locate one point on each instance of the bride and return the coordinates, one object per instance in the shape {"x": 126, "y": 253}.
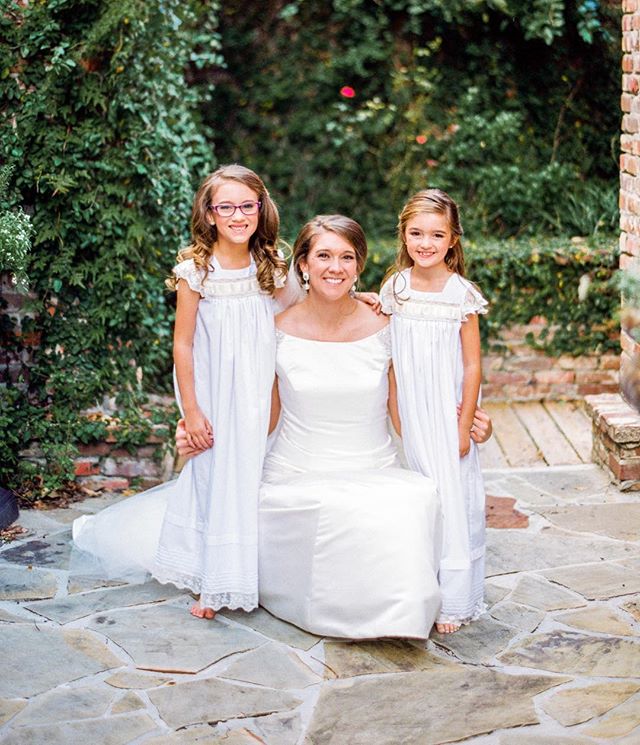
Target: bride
{"x": 349, "y": 540}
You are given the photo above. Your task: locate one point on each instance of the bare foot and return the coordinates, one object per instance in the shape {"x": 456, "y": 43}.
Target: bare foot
{"x": 199, "y": 612}
{"x": 447, "y": 628}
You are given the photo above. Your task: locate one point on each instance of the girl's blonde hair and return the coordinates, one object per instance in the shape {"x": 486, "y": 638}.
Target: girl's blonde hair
{"x": 263, "y": 244}
{"x": 431, "y": 201}
{"x": 343, "y": 226}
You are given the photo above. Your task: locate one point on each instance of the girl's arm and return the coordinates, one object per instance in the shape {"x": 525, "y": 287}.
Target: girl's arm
{"x": 394, "y": 414}
{"x": 198, "y": 428}
{"x": 275, "y": 406}
{"x": 470, "y": 338}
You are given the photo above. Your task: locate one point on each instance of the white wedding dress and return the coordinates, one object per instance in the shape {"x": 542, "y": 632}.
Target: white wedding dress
{"x": 349, "y": 541}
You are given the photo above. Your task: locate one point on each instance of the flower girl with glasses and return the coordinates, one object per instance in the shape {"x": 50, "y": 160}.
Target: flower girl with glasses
{"x": 227, "y": 281}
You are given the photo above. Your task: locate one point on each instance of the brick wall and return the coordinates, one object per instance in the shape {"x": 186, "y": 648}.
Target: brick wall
{"x": 616, "y": 426}
{"x": 517, "y": 372}
{"x": 630, "y": 152}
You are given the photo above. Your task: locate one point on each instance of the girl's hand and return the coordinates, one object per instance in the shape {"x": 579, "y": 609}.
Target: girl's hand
{"x": 482, "y": 427}
{"x": 182, "y": 443}
{"x": 464, "y": 441}
{"x": 370, "y": 298}
{"x": 198, "y": 429}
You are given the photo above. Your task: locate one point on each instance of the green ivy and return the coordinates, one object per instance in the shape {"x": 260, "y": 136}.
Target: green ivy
{"x": 573, "y": 285}
{"x": 102, "y": 128}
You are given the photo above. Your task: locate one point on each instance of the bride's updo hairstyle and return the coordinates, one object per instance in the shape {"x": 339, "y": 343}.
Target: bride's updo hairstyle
{"x": 345, "y": 227}
{"x": 263, "y": 244}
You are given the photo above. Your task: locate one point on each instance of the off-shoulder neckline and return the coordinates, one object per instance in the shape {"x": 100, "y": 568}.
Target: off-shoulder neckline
{"x": 324, "y": 341}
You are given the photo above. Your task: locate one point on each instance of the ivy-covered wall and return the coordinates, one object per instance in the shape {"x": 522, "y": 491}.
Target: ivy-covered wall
{"x": 104, "y": 135}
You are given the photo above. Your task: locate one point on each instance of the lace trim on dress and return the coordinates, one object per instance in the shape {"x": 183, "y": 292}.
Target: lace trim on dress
{"x": 212, "y": 287}
{"x": 385, "y": 338}
{"x": 231, "y": 600}
{"x": 479, "y": 610}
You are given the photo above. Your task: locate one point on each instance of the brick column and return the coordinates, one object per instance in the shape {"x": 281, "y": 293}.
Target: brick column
{"x": 616, "y": 426}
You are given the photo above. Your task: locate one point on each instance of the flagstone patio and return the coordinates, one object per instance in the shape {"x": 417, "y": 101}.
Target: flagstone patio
{"x": 555, "y": 661}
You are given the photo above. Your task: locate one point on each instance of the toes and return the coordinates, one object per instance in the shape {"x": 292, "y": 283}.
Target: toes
{"x": 197, "y": 611}
{"x": 209, "y": 613}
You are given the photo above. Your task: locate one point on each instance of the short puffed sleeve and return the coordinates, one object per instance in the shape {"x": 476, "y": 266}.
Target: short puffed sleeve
{"x": 193, "y": 276}
{"x": 387, "y": 298}
{"x": 473, "y": 302}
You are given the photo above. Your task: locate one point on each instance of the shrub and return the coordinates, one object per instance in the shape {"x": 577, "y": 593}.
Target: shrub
{"x": 103, "y": 132}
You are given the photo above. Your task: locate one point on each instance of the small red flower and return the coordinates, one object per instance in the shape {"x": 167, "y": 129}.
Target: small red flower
{"x": 347, "y": 91}
{"x": 421, "y": 139}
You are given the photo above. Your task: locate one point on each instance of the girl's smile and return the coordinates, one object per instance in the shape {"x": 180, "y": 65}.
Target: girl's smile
{"x": 428, "y": 238}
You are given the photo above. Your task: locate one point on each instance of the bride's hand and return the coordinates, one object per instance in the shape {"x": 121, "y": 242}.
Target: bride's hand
{"x": 370, "y": 298}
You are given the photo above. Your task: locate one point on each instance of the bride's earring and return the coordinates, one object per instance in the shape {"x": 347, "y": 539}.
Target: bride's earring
{"x": 305, "y": 281}
{"x": 352, "y": 291}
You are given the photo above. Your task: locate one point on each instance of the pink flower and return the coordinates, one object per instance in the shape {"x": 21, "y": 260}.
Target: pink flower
{"x": 347, "y": 91}
{"x": 432, "y": 163}
{"x": 421, "y": 139}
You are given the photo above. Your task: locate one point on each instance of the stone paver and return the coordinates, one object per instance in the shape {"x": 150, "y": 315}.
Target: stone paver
{"x": 555, "y": 661}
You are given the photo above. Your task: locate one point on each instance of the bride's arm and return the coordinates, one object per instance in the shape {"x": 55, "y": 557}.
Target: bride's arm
{"x": 394, "y": 415}
{"x": 275, "y": 406}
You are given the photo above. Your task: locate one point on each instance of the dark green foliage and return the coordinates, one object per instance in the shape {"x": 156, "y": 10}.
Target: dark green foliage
{"x": 103, "y": 132}
{"x": 574, "y": 285}
{"x": 511, "y": 106}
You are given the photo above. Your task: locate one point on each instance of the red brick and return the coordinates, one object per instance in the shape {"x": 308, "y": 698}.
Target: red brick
{"x": 508, "y": 378}
{"x": 596, "y": 376}
{"x": 627, "y": 66}
{"x": 590, "y": 389}
{"x": 610, "y": 362}
{"x": 629, "y": 6}
{"x": 87, "y": 467}
{"x": 555, "y": 376}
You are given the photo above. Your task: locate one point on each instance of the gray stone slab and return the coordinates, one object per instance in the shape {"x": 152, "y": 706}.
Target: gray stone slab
{"x": 348, "y": 659}
{"x": 576, "y": 654}
{"x": 78, "y": 583}
{"x": 129, "y": 702}
{"x": 620, "y": 521}
{"x": 276, "y": 729}
{"x": 119, "y": 730}
{"x": 38, "y": 522}
{"x": 577, "y": 705}
{"x": 168, "y": 639}
{"x": 271, "y": 665}
{"x": 597, "y": 618}
{"x": 7, "y": 616}
{"x": 201, "y": 733}
{"x": 262, "y": 621}
{"x": 139, "y": 681}
{"x": 37, "y": 659}
{"x": 96, "y": 504}
{"x": 21, "y": 583}
{"x": 623, "y": 720}
{"x": 66, "y": 704}
{"x": 597, "y": 581}
{"x": 9, "y": 709}
{"x": 52, "y": 552}
{"x": 518, "y": 616}
{"x": 494, "y": 593}
{"x": 530, "y": 738}
{"x": 568, "y": 484}
{"x": 479, "y": 641}
{"x": 524, "y": 493}
{"x": 441, "y": 705}
{"x": 519, "y": 551}
{"x": 632, "y": 607}
{"x": 85, "y": 604}
{"x": 537, "y": 592}
{"x": 210, "y": 700}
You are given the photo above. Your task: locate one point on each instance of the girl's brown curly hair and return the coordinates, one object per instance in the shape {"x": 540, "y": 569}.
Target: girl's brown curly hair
{"x": 263, "y": 244}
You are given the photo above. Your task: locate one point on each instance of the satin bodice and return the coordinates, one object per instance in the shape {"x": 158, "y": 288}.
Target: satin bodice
{"x": 334, "y": 406}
